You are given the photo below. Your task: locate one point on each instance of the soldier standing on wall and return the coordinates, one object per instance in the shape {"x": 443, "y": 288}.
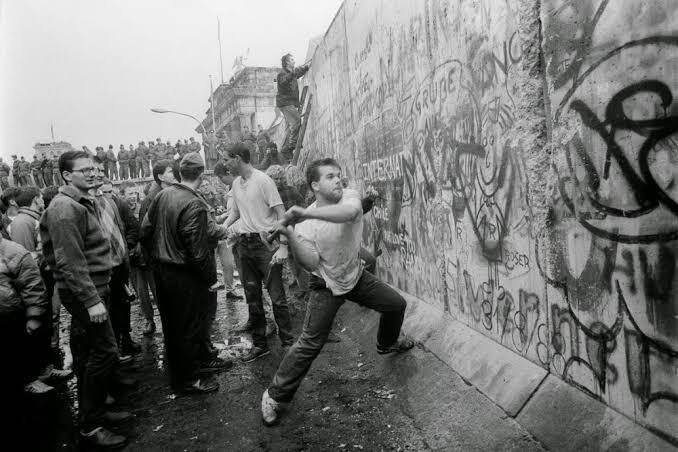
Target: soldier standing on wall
{"x": 56, "y": 175}
{"x": 132, "y": 154}
{"x": 36, "y": 170}
{"x": 112, "y": 163}
{"x": 47, "y": 171}
{"x": 15, "y": 170}
{"x": 142, "y": 154}
{"x": 24, "y": 172}
{"x": 123, "y": 160}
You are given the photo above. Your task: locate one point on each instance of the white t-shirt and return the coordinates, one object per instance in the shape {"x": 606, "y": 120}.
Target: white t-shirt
{"x": 255, "y": 199}
{"x": 338, "y": 245}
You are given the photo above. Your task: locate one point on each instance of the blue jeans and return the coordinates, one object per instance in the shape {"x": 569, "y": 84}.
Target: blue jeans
{"x": 321, "y": 309}
{"x": 255, "y": 269}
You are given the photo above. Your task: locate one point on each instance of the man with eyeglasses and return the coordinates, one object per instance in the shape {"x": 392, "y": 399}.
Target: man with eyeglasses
{"x": 79, "y": 254}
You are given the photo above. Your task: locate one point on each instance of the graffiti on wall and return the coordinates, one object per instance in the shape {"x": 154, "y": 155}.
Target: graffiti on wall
{"x": 613, "y": 243}
{"x": 419, "y": 99}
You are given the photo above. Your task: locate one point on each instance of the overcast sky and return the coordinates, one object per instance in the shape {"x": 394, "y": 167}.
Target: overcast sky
{"x": 94, "y": 68}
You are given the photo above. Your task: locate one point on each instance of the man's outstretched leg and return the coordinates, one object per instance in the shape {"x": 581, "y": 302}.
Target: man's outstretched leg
{"x": 320, "y": 312}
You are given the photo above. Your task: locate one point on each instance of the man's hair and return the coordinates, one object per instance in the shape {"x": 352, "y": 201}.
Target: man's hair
{"x": 160, "y": 167}
{"x": 312, "y": 173}
{"x": 275, "y": 171}
{"x": 191, "y": 174}
{"x": 285, "y": 58}
{"x": 9, "y": 194}
{"x": 67, "y": 160}
{"x": 239, "y": 150}
{"x": 220, "y": 170}
{"x": 272, "y": 145}
{"x": 49, "y": 193}
{"x": 26, "y": 195}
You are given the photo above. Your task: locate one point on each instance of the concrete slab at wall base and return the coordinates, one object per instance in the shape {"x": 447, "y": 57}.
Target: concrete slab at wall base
{"x": 564, "y": 418}
{"x": 555, "y": 413}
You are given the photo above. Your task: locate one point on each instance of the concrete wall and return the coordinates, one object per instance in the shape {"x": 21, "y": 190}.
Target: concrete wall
{"x": 536, "y": 203}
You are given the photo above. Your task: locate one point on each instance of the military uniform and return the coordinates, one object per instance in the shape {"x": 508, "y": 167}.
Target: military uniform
{"x": 101, "y": 155}
{"x": 24, "y": 172}
{"x": 123, "y": 161}
{"x": 36, "y": 170}
{"x": 58, "y": 181}
{"x": 4, "y": 175}
{"x": 112, "y": 164}
{"x": 47, "y": 172}
{"x": 142, "y": 160}
{"x": 132, "y": 154}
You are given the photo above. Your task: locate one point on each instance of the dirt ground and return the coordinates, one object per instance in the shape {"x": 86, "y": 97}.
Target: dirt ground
{"x": 352, "y": 399}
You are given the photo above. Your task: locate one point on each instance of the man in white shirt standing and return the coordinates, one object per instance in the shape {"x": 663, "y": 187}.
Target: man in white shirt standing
{"x": 327, "y": 243}
{"x": 257, "y": 204}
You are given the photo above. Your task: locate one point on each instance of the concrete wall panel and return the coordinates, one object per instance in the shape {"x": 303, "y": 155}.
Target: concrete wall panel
{"x": 426, "y": 100}
{"x": 612, "y": 76}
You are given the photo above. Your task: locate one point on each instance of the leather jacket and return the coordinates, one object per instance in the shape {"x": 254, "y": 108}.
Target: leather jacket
{"x": 175, "y": 232}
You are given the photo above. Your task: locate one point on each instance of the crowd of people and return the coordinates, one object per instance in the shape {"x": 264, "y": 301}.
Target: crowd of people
{"x": 91, "y": 250}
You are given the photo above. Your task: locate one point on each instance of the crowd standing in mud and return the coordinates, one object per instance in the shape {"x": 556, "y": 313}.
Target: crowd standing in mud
{"x": 71, "y": 239}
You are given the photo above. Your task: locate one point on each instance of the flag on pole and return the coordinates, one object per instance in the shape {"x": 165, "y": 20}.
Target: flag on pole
{"x": 51, "y": 128}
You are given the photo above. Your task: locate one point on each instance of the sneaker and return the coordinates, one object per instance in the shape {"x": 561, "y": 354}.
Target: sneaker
{"x": 270, "y": 409}
{"x": 233, "y": 296}
{"x": 37, "y": 387}
{"x": 200, "y": 386}
{"x": 399, "y": 347}
{"x": 255, "y": 353}
{"x": 216, "y": 365}
{"x": 52, "y": 374}
{"x": 149, "y": 328}
{"x": 113, "y": 418}
{"x": 103, "y": 439}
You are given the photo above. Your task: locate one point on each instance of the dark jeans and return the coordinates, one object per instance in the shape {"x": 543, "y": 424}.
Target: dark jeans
{"x": 255, "y": 269}
{"x": 293, "y": 122}
{"x": 142, "y": 278}
{"x": 321, "y": 309}
{"x": 95, "y": 358}
{"x": 182, "y": 302}
{"x": 120, "y": 308}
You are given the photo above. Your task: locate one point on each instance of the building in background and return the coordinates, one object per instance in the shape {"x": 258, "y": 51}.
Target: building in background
{"x": 248, "y": 99}
{"x": 50, "y": 150}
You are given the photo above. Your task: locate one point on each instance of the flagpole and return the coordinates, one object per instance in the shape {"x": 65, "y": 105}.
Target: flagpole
{"x": 221, "y": 61}
{"x": 214, "y": 128}
{"x": 51, "y": 128}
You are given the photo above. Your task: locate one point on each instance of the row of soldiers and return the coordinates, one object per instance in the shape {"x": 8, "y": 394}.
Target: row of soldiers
{"x": 137, "y": 162}
{"x": 131, "y": 163}
{"x": 44, "y": 172}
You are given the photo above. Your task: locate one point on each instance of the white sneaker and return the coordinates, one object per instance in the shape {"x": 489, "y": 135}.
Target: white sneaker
{"x": 37, "y": 387}
{"x": 269, "y": 409}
